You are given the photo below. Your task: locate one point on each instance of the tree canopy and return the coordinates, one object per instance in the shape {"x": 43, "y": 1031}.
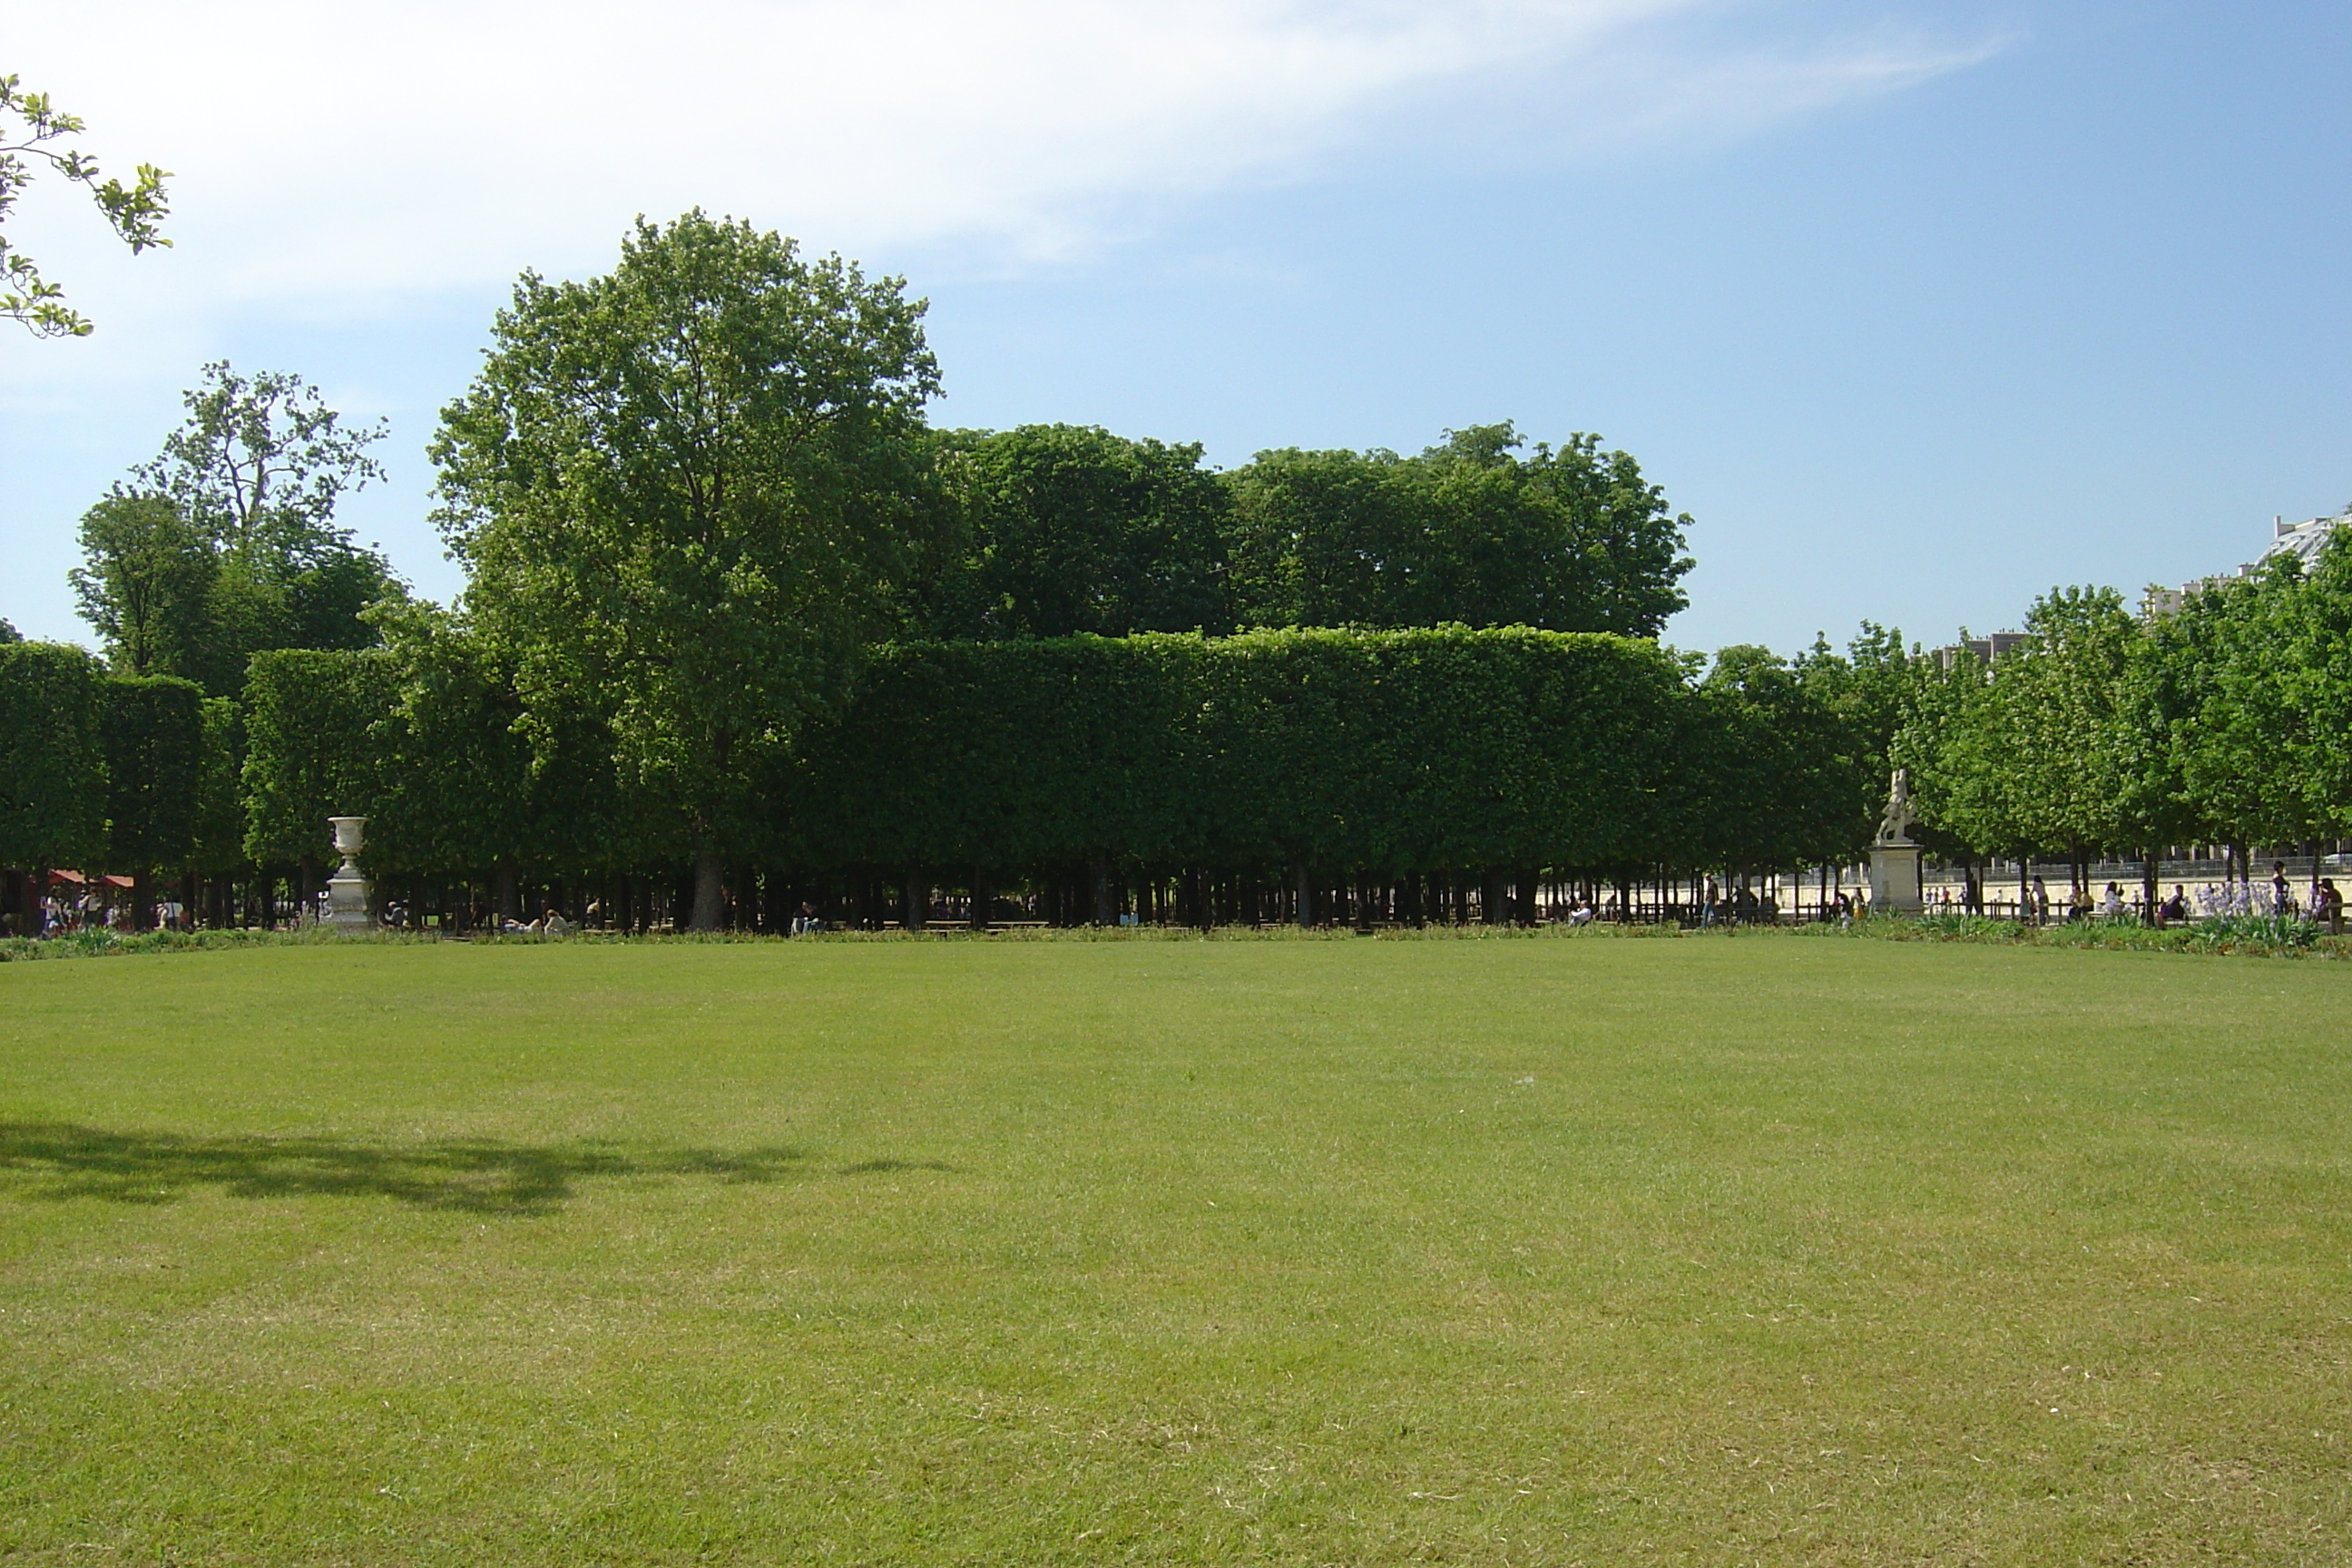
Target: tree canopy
{"x": 226, "y": 543}
{"x": 685, "y": 490}
{"x": 1566, "y": 539}
{"x": 1070, "y": 528}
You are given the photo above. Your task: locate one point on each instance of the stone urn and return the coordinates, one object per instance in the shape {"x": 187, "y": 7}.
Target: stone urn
{"x": 347, "y": 889}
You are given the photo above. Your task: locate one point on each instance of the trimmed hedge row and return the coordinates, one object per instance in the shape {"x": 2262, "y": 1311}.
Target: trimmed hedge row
{"x": 1394, "y": 751}
{"x": 1444, "y": 751}
{"x": 1397, "y": 751}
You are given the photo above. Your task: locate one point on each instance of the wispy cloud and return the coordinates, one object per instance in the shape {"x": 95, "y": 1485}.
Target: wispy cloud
{"x": 343, "y": 150}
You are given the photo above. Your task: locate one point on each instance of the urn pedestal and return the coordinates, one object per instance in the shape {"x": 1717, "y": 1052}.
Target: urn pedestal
{"x": 347, "y": 889}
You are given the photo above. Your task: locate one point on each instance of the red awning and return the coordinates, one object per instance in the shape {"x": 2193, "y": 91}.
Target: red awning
{"x": 116, "y": 881}
{"x": 72, "y": 877}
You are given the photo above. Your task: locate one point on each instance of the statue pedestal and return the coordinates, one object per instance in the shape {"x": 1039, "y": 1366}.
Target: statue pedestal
{"x": 1894, "y": 880}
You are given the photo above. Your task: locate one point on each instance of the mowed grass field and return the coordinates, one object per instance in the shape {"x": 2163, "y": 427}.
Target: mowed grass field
{"x": 1729, "y": 1250}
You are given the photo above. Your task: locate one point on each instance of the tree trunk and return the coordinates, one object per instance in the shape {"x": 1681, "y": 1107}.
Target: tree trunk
{"x": 1098, "y": 870}
{"x": 914, "y": 902}
{"x": 1305, "y": 896}
{"x": 1526, "y": 901}
{"x": 2150, "y": 895}
{"x": 709, "y": 893}
{"x": 509, "y": 902}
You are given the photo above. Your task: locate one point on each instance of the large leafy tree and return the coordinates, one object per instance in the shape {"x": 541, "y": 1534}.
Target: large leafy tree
{"x": 1072, "y": 529}
{"x": 226, "y": 542}
{"x": 2262, "y": 668}
{"x": 33, "y": 133}
{"x": 146, "y": 584}
{"x": 2317, "y": 648}
{"x": 685, "y": 490}
{"x": 1565, "y": 539}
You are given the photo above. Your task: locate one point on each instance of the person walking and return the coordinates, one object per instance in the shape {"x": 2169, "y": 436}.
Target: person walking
{"x": 2281, "y": 894}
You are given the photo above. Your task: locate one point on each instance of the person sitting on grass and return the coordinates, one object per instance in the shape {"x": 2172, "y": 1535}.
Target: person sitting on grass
{"x": 554, "y": 924}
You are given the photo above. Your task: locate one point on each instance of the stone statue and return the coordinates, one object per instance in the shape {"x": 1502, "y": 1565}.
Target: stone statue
{"x": 1895, "y": 884}
{"x": 1896, "y": 822}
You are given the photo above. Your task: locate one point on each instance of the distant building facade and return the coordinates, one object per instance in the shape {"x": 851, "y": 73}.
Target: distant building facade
{"x": 2301, "y": 540}
{"x": 1985, "y": 648}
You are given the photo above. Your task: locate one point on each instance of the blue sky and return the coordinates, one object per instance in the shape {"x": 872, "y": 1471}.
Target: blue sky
{"x": 1919, "y": 310}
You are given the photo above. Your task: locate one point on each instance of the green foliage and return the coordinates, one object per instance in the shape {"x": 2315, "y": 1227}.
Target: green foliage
{"x": 2067, "y": 744}
{"x": 2262, "y": 678}
{"x": 1787, "y": 773}
{"x": 2252, "y": 933}
{"x": 153, "y": 731}
{"x": 8, "y": 633}
{"x": 1570, "y": 539}
{"x": 1076, "y": 530}
{"x": 146, "y": 584}
{"x": 52, "y": 765}
{"x": 29, "y": 125}
{"x": 1405, "y": 751}
{"x": 463, "y": 786}
{"x": 225, "y": 544}
{"x": 312, "y": 720}
{"x": 684, "y": 490}
{"x": 219, "y": 816}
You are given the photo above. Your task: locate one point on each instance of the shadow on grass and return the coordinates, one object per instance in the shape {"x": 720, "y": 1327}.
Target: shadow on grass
{"x": 60, "y": 1161}
{"x": 882, "y": 1167}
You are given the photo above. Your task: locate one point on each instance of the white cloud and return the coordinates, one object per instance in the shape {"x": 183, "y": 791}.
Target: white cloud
{"x": 340, "y": 149}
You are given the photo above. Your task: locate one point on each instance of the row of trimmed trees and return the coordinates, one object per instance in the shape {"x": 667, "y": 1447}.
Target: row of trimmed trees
{"x": 1303, "y": 766}
{"x": 1275, "y": 775}
{"x": 130, "y": 773}
{"x": 2224, "y": 722}
{"x": 1437, "y": 767}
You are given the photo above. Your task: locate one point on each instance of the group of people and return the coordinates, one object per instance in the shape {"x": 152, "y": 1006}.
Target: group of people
{"x": 2325, "y": 905}
{"x": 1739, "y": 906}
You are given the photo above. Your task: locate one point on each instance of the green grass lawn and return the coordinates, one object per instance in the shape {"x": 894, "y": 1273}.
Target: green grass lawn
{"x": 1727, "y": 1250}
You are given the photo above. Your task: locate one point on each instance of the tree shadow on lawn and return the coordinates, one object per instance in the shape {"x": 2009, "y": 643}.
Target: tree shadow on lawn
{"x": 60, "y": 1161}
